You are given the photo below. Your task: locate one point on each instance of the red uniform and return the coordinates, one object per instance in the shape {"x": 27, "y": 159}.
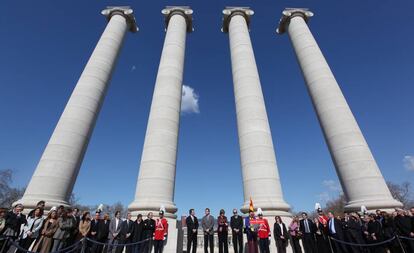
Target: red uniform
{"x": 264, "y": 228}
{"x": 161, "y": 229}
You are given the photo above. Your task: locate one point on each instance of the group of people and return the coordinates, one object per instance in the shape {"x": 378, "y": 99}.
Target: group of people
{"x": 377, "y": 232}
{"x": 64, "y": 228}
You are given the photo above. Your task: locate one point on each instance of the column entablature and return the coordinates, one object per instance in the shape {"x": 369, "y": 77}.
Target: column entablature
{"x": 289, "y": 13}
{"x": 124, "y": 11}
{"x": 184, "y": 11}
{"x": 230, "y": 12}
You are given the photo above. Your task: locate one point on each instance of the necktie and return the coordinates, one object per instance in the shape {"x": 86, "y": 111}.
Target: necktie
{"x": 306, "y": 226}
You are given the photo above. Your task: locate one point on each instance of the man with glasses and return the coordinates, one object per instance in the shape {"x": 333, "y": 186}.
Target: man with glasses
{"x": 207, "y": 223}
{"x": 236, "y": 224}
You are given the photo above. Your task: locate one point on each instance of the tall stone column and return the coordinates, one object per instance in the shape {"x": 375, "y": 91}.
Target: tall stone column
{"x": 360, "y": 177}
{"x": 259, "y": 170}
{"x": 156, "y": 179}
{"x": 56, "y": 173}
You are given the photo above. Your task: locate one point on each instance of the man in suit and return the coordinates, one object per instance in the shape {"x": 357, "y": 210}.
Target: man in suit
{"x": 128, "y": 232}
{"x": 148, "y": 233}
{"x": 103, "y": 232}
{"x": 94, "y": 230}
{"x": 307, "y": 228}
{"x": 236, "y": 224}
{"x": 207, "y": 223}
{"x": 336, "y": 232}
{"x": 192, "y": 227}
{"x": 405, "y": 228}
{"x": 114, "y": 233}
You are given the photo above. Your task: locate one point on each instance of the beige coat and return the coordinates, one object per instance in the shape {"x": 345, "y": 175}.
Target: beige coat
{"x": 44, "y": 245}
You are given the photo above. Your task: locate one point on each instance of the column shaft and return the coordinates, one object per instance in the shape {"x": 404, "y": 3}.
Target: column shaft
{"x": 56, "y": 173}
{"x": 360, "y": 177}
{"x": 156, "y": 179}
{"x": 259, "y": 170}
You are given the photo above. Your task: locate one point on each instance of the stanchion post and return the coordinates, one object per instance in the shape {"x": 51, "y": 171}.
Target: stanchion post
{"x": 399, "y": 243}
{"x": 330, "y": 244}
{"x": 4, "y": 245}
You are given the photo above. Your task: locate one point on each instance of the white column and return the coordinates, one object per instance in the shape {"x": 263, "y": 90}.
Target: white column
{"x": 156, "y": 179}
{"x": 56, "y": 173}
{"x": 259, "y": 170}
{"x": 360, "y": 177}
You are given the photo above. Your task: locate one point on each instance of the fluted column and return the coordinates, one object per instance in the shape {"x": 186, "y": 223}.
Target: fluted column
{"x": 360, "y": 177}
{"x": 156, "y": 179}
{"x": 259, "y": 170}
{"x": 56, "y": 173}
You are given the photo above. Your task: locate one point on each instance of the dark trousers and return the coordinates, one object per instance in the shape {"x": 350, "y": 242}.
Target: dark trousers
{"x": 158, "y": 246}
{"x": 264, "y": 245}
{"x": 147, "y": 246}
{"x": 137, "y": 248}
{"x": 223, "y": 242}
{"x": 252, "y": 245}
{"x": 191, "y": 239}
{"x": 25, "y": 243}
{"x": 208, "y": 241}
{"x": 129, "y": 249}
{"x": 309, "y": 243}
{"x": 338, "y": 247}
{"x": 237, "y": 242}
{"x": 296, "y": 245}
{"x": 281, "y": 245}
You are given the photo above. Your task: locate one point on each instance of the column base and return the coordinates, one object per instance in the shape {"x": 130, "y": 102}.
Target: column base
{"x": 373, "y": 204}
{"x": 144, "y": 208}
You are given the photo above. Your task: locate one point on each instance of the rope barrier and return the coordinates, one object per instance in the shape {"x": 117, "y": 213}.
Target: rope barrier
{"x": 364, "y": 245}
{"x": 70, "y": 248}
{"x": 406, "y": 238}
{"x": 118, "y": 245}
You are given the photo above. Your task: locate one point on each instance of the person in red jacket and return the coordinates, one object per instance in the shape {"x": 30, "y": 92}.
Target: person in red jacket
{"x": 263, "y": 232}
{"x": 160, "y": 233}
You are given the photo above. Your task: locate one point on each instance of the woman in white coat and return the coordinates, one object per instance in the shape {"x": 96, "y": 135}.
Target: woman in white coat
{"x": 31, "y": 229}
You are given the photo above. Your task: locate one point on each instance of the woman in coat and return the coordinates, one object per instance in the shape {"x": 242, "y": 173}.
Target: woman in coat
{"x": 295, "y": 235}
{"x": 222, "y": 232}
{"x": 31, "y": 229}
{"x": 46, "y": 240}
{"x": 280, "y": 234}
{"x": 63, "y": 232}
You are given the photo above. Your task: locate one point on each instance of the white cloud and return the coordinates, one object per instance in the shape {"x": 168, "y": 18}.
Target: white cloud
{"x": 409, "y": 162}
{"x": 133, "y": 68}
{"x": 189, "y": 101}
{"x": 332, "y": 185}
{"x": 323, "y": 197}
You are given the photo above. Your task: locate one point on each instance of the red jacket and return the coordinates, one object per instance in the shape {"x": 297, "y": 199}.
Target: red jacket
{"x": 264, "y": 229}
{"x": 161, "y": 229}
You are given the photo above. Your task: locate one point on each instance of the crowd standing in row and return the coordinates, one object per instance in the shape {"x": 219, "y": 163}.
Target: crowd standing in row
{"x": 65, "y": 227}
{"x": 353, "y": 232}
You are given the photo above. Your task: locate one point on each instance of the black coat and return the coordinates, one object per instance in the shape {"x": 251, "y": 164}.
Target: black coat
{"x": 103, "y": 230}
{"x": 127, "y": 227}
{"x": 236, "y": 223}
{"x": 338, "y": 228}
{"x": 13, "y": 224}
{"x": 192, "y": 225}
{"x": 94, "y": 228}
{"x": 277, "y": 232}
{"x": 138, "y": 231}
{"x": 404, "y": 225}
{"x": 149, "y": 228}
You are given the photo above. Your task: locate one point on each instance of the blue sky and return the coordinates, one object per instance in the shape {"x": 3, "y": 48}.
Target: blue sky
{"x": 45, "y": 44}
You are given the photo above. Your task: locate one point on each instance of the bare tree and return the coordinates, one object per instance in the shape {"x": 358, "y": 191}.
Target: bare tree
{"x": 8, "y": 194}
{"x": 402, "y": 192}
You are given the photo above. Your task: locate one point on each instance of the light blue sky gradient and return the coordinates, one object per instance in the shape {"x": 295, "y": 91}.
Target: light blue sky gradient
{"x": 44, "y": 47}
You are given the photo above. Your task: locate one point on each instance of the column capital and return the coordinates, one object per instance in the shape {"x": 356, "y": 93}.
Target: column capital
{"x": 184, "y": 11}
{"x": 289, "y": 13}
{"x": 124, "y": 11}
{"x": 231, "y": 11}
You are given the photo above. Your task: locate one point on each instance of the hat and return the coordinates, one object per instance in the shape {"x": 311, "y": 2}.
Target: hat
{"x": 259, "y": 211}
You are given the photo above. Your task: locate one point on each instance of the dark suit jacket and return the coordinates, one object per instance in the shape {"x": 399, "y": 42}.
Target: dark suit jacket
{"x": 127, "y": 227}
{"x": 236, "y": 223}
{"x": 191, "y": 225}
{"x": 338, "y": 228}
{"x": 149, "y": 228}
{"x": 404, "y": 225}
{"x": 13, "y": 223}
{"x": 94, "y": 228}
{"x": 311, "y": 226}
{"x": 277, "y": 232}
{"x": 103, "y": 230}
